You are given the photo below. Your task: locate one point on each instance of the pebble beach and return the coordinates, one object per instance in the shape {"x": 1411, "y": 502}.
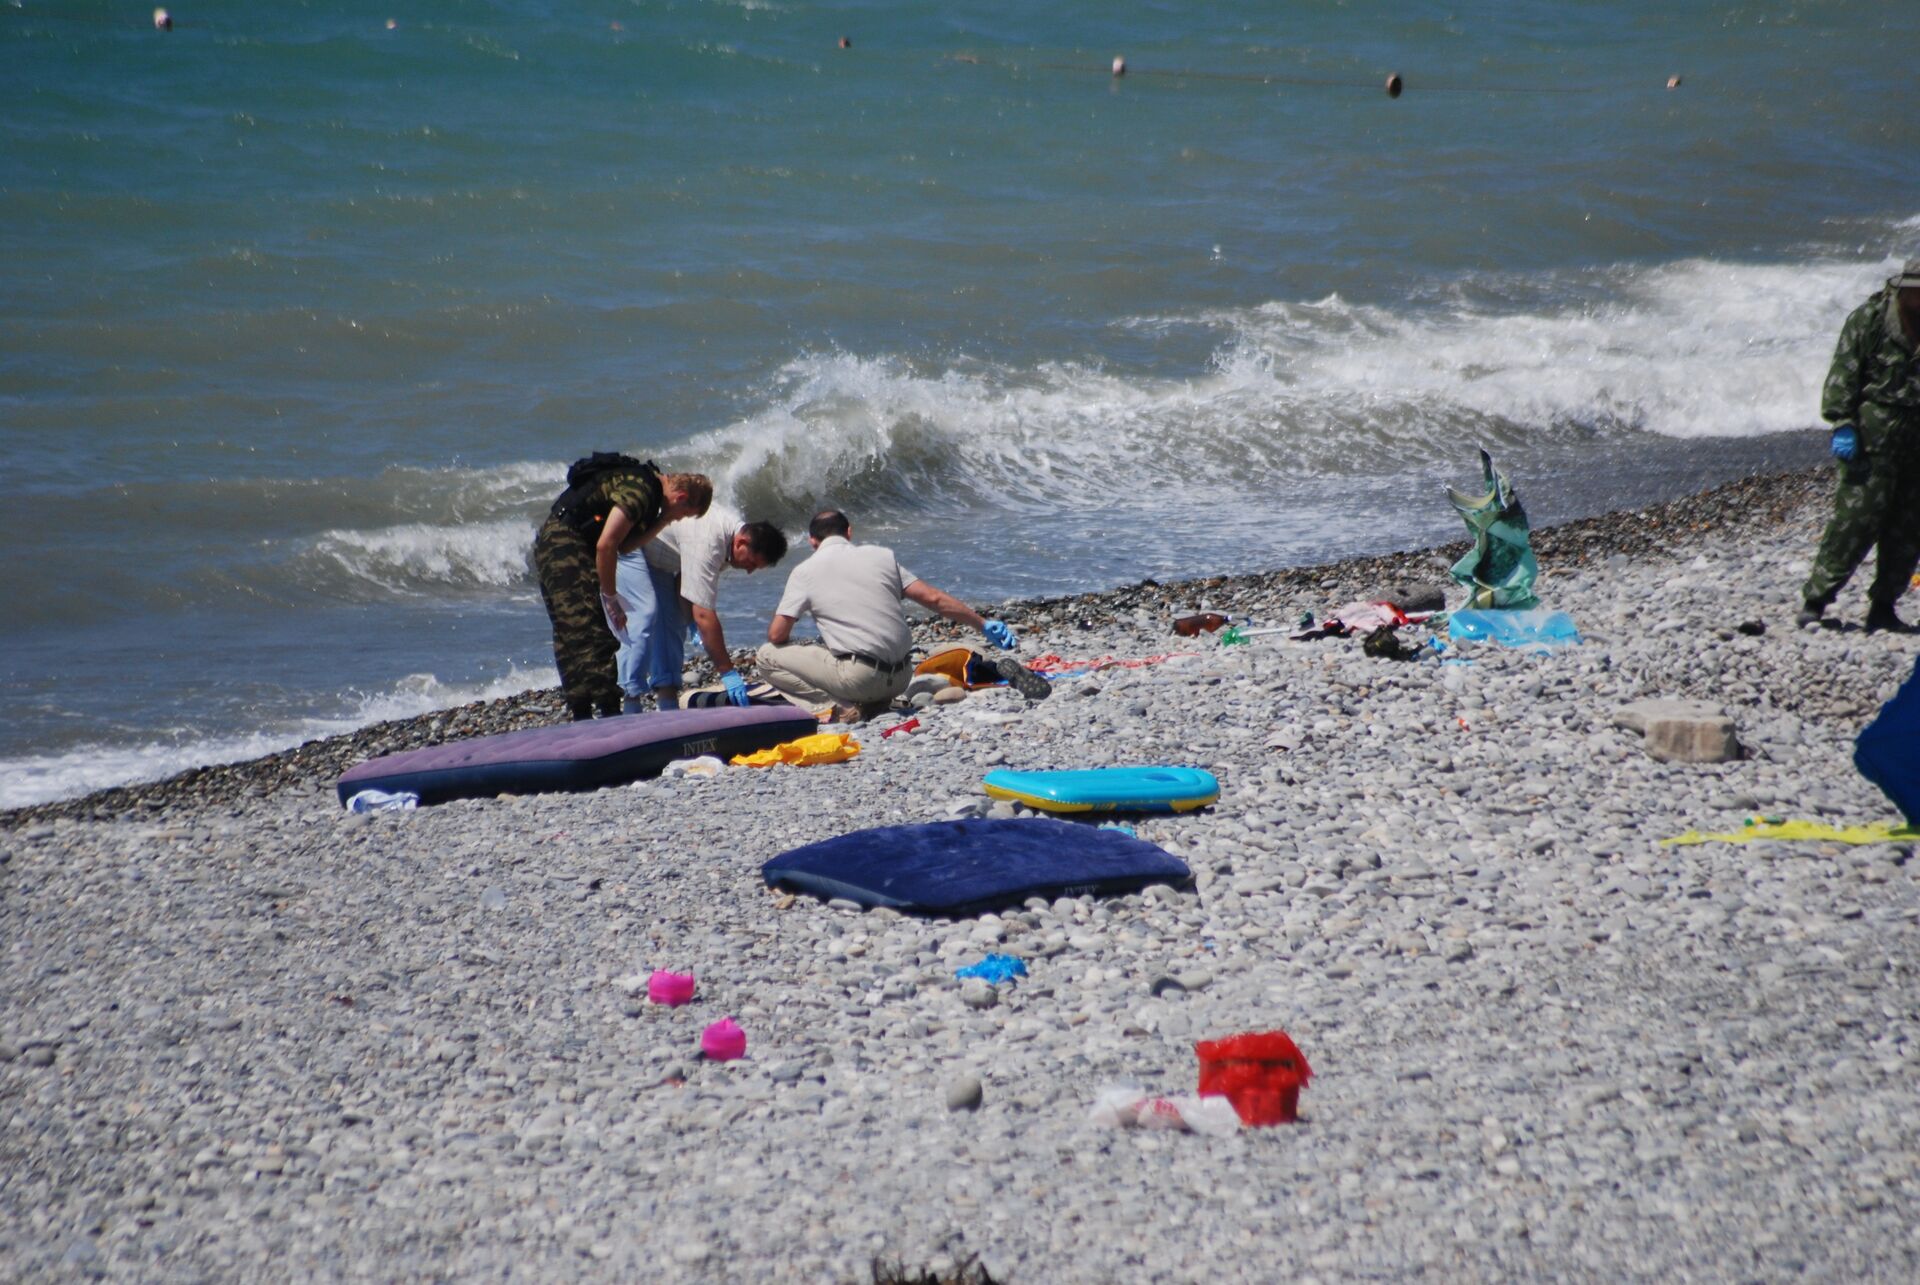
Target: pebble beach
{"x": 246, "y": 1034}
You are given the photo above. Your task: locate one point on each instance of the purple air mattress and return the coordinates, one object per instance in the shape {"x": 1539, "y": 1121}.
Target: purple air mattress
{"x": 577, "y": 756}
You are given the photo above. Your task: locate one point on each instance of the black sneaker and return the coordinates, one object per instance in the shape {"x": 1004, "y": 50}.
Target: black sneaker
{"x": 1809, "y": 615}
{"x": 1022, "y": 679}
{"x": 1879, "y": 618}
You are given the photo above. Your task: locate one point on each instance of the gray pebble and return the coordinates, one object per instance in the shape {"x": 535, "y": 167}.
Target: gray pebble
{"x": 965, "y": 1094}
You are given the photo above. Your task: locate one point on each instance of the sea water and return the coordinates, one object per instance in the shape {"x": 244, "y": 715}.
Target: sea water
{"x": 308, "y": 305}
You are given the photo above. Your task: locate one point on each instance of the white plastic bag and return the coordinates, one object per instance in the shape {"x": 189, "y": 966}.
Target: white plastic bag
{"x": 1126, "y": 1107}
{"x": 705, "y": 765}
{"x": 608, "y": 601}
{"x": 381, "y": 801}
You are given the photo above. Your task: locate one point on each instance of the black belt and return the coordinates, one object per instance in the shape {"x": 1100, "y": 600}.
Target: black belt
{"x": 882, "y": 665}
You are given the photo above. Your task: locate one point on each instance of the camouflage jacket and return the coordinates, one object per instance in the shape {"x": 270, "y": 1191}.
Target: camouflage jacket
{"x": 1875, "y": 379}
{"x": 635, "y": 493}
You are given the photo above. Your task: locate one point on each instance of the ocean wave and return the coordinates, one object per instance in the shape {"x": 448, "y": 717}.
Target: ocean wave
{"x": 1691, "y": 350}
{"x": 418, "y": 557}
{"x": 1295, "y": 391}
{"x": 40, "y": 778}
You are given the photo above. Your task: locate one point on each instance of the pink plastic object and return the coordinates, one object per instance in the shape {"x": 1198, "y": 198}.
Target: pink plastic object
{"x": 723, "y": 1041}
{"x": 671, "y": 989}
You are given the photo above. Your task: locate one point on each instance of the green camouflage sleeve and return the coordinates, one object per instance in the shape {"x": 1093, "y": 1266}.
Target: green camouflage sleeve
{"x": 636, "y": 495}
{"x": 1840, "y": 399}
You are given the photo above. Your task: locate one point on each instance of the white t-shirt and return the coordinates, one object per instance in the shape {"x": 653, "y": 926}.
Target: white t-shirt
{"x": 696, "y": 550}
{"x": 854, "y": 592}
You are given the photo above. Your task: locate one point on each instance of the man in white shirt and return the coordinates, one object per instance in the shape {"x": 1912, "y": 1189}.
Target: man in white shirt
{"x": 674, "y": 578}
{"x": 854, "y": 594}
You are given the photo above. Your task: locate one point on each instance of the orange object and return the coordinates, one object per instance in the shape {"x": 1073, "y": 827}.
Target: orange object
{"x": 951, "y": 665}
{"x": 1261, "y": 1073}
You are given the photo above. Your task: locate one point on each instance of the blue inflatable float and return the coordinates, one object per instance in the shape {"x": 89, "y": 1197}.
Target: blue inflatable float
{"x": 1888, "y": 751}
{"x": 974, "y": 865}
{"x": 1107, "y": 789}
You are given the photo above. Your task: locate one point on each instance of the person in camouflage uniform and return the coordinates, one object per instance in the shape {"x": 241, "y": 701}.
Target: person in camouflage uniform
{"x": 1872, "y": 398}
{"x": 576, "y": 554}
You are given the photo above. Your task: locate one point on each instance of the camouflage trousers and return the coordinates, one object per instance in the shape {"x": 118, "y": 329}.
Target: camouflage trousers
{"x": 583, "y": 646}
{"x": 1876, "y": 502}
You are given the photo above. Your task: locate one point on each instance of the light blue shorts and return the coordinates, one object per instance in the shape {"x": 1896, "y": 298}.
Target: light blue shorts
{"x": 658, "y": 652}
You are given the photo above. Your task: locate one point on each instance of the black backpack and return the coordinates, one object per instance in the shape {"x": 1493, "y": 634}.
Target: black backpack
{"x": 582, "y": 475}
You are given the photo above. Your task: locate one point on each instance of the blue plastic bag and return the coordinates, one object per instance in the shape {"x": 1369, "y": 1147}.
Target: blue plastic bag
{"x": 994, "y": 969}
{"x": 1537, "y": 629}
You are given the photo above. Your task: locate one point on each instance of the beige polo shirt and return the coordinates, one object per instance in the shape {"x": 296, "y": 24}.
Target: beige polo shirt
{"x": 696, "y": 550}
{"x": 853, "y": 592}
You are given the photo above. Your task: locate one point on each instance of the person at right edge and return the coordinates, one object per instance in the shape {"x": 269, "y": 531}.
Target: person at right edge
{"x": 616, "y": 509}
{"x": 1872, "y": 398}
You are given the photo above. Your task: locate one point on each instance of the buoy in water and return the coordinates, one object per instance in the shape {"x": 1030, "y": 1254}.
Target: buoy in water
{"x": 1673, "y": 82}
{"x": 1119, "y": 65}
{"x": 393, "y": 24}
{"x": 1393, "y": 85}
{"x": 162, "y": 20}
{"x": 846, "y": 42}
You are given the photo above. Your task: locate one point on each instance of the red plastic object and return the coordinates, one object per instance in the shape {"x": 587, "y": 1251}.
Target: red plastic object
{"x": 907, "y": 726}
{"x": 1261, "y": 1073}
{"x": 723, "y": 1041}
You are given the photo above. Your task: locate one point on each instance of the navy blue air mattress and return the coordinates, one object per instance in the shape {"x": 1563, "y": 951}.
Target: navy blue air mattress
{"x": 1888, "y": 751}
{"x": 974, "y": 865}
{"x": 577, "y": 756}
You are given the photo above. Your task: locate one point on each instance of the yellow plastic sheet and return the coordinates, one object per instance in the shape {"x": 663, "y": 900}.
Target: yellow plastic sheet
{"x": 1881, "y": 832}
{"x": 821, "y": 747}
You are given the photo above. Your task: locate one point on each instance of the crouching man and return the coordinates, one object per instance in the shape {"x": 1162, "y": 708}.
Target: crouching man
{"x": 674, "y": 582}
{"x": 854, "y": 593}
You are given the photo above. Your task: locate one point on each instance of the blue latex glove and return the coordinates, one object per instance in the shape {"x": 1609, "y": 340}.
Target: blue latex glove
{"x": 736, "y": 686}
{"x": 998, "y": 634}
{"x": 1846, "y": 443}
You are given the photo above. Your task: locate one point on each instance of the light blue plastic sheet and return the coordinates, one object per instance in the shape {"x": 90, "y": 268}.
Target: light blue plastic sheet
{"x": 1536, "y": 629}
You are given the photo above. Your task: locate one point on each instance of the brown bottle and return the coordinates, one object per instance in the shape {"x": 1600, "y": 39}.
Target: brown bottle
{"x": 1188, "y": 626}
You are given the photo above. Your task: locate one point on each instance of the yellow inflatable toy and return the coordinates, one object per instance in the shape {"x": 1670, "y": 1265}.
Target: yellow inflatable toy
{"x": 808, "y": 751}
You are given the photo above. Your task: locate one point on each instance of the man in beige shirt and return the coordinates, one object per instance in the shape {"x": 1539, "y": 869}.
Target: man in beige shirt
{"x": 854, "y": 594}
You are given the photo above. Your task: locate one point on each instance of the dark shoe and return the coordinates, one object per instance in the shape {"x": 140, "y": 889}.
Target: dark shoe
{"x": 1022, "y": 679}
{"x": 1879, "y": 618}
{"x": 1809, "y": 615}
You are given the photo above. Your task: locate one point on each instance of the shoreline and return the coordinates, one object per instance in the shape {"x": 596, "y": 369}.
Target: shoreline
{"x": 1759, "y": 501}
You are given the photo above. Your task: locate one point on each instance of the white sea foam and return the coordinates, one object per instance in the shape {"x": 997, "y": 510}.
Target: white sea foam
{"x": 417, "y": 558}
{"x": 40, "y": 778}
{"x": 1690, "y": 350}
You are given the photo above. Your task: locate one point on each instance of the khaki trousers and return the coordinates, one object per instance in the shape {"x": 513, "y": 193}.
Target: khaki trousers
{"x": 815, "y": 677}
